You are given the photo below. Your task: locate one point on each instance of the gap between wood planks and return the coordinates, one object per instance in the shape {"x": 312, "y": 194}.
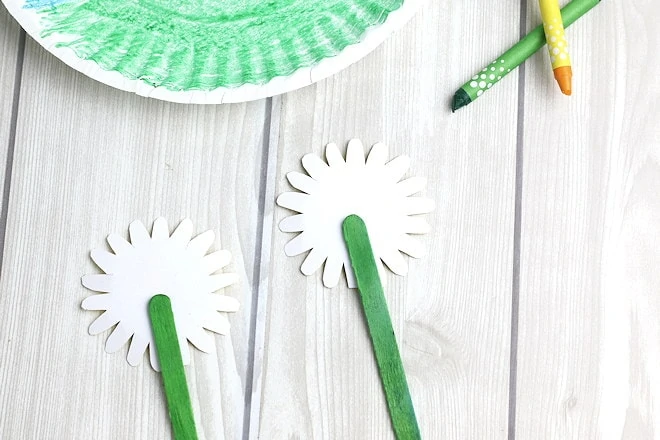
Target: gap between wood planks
{"x": 9, "y": 164}
{"x": 260, "y": 278}
{"x": 517, "y": 219}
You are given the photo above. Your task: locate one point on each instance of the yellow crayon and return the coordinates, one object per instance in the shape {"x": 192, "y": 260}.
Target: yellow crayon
{"x": 557, "y": 46}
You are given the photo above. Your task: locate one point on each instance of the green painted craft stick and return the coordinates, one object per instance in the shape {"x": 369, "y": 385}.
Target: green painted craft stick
{"x": 392, "y": 375}
{"x": 515, "y": 56}
{"x": 171, "y": 367}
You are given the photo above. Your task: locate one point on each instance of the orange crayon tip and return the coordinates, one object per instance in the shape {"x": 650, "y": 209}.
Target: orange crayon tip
{"x": 564, "y": 77}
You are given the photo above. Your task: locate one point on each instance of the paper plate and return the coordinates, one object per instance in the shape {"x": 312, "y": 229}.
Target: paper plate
{"x": 210, "y": 51}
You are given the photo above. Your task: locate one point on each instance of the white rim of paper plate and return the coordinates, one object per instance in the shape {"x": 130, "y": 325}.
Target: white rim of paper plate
{"x": 371, "y": 39}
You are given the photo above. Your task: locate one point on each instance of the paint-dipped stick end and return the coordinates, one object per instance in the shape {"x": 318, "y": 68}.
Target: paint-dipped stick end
{"x": 157, "y": 302}
{"x": 352, "y": 221}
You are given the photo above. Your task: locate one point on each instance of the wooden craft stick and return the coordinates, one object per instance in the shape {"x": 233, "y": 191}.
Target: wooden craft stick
{"x": 392, "y": 375}
{"x": 171, "y": 367}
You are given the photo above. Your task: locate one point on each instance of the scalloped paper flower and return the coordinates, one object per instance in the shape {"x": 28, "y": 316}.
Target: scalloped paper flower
{"x": 175, "y": 265}
{"x": 371, "y": 188}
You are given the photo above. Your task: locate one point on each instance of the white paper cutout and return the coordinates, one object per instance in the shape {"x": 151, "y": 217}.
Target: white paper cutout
{"x": 176, "y": 266}
{"x": 372, "y": 189}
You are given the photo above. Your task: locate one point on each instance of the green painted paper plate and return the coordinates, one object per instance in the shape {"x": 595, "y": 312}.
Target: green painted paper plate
{"x": 210, "y": 51}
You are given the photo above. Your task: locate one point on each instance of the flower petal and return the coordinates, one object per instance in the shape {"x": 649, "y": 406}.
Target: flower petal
{"x": 397, "y": 167}
{"x": 416, "y": 205}
{"x": 350, "y": 276}
{"x": 315, "y": 167}
{"x": 313, "y": 261}
{"x": 302, "y": 182}
{"x": 301, "y": 243}
{"x": 98, "y": 282}
{"x": 97, "y": 302}
{"x": 160, "y": 230}
{"x": 217, "y": 323}
{"x": 119, "y": 244}
{"x": 138, "y": 233}
{"x": 105, "y": 260}
{"x": 295, "y": 201}
{"x": 223, "y": 303}
{"x": 183, "y": 233}
{"x": 119, "y": 336}
{"x": 377, "y": 155}
{"x": 222, "y": 280}
{"x": 381, "y": 270}
{"x": 414, "y": 225}
{"x": 293, "y": 223}
{"x": 153, "y": 357}
{"x": 200, "y": 245}
{"x": 202, "y": 340}
{"x": 333, "y": 156}
{"x": 410, "y": 246}
{"x": 185, "y": 350}
{"x": 103, "y": 323}
{"x": 215, "y": 261}
{"x": 394, "y": 261}
{"x": 136, "y": 351}
{"x": 332, "y": 271}
{"x": 355, "y": 154}
{"x": 410, "y": 186}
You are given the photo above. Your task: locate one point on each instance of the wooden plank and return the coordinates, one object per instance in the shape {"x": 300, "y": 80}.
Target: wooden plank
{"x": 588, "y": 332}
{"x": 90, "y": 159}
{"x": 9, "y": 47}
{"x": 451, "y": 313}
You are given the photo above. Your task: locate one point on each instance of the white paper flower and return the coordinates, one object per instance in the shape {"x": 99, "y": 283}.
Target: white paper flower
{"x": 175, "y": 266}
{"x": 372, "y": 189}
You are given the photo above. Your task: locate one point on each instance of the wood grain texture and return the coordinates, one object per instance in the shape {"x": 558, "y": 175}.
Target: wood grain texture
{"x": 589, "y": 339}
{"x": 90, "y": 159}
{"x": 9, "y": 47}
{"x": 451, "y": 313}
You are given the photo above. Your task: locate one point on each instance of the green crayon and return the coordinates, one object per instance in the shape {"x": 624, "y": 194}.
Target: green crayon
{"x": 515, "y": 56}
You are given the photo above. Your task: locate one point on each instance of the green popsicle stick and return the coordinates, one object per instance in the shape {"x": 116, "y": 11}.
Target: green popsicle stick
{"x": 392, "y": 375}
{"x": 171, "y": 368}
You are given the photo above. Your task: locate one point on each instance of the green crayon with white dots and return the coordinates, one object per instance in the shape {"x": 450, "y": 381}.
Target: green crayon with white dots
{"x": 515, "y": 56}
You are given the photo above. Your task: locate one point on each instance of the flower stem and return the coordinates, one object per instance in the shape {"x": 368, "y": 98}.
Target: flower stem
{"x": 392, "y": 375}
{"x": 171, "y": 367}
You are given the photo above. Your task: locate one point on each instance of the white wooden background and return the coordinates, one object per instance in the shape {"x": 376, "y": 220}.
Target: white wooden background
{"x": 536, "y": 314}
